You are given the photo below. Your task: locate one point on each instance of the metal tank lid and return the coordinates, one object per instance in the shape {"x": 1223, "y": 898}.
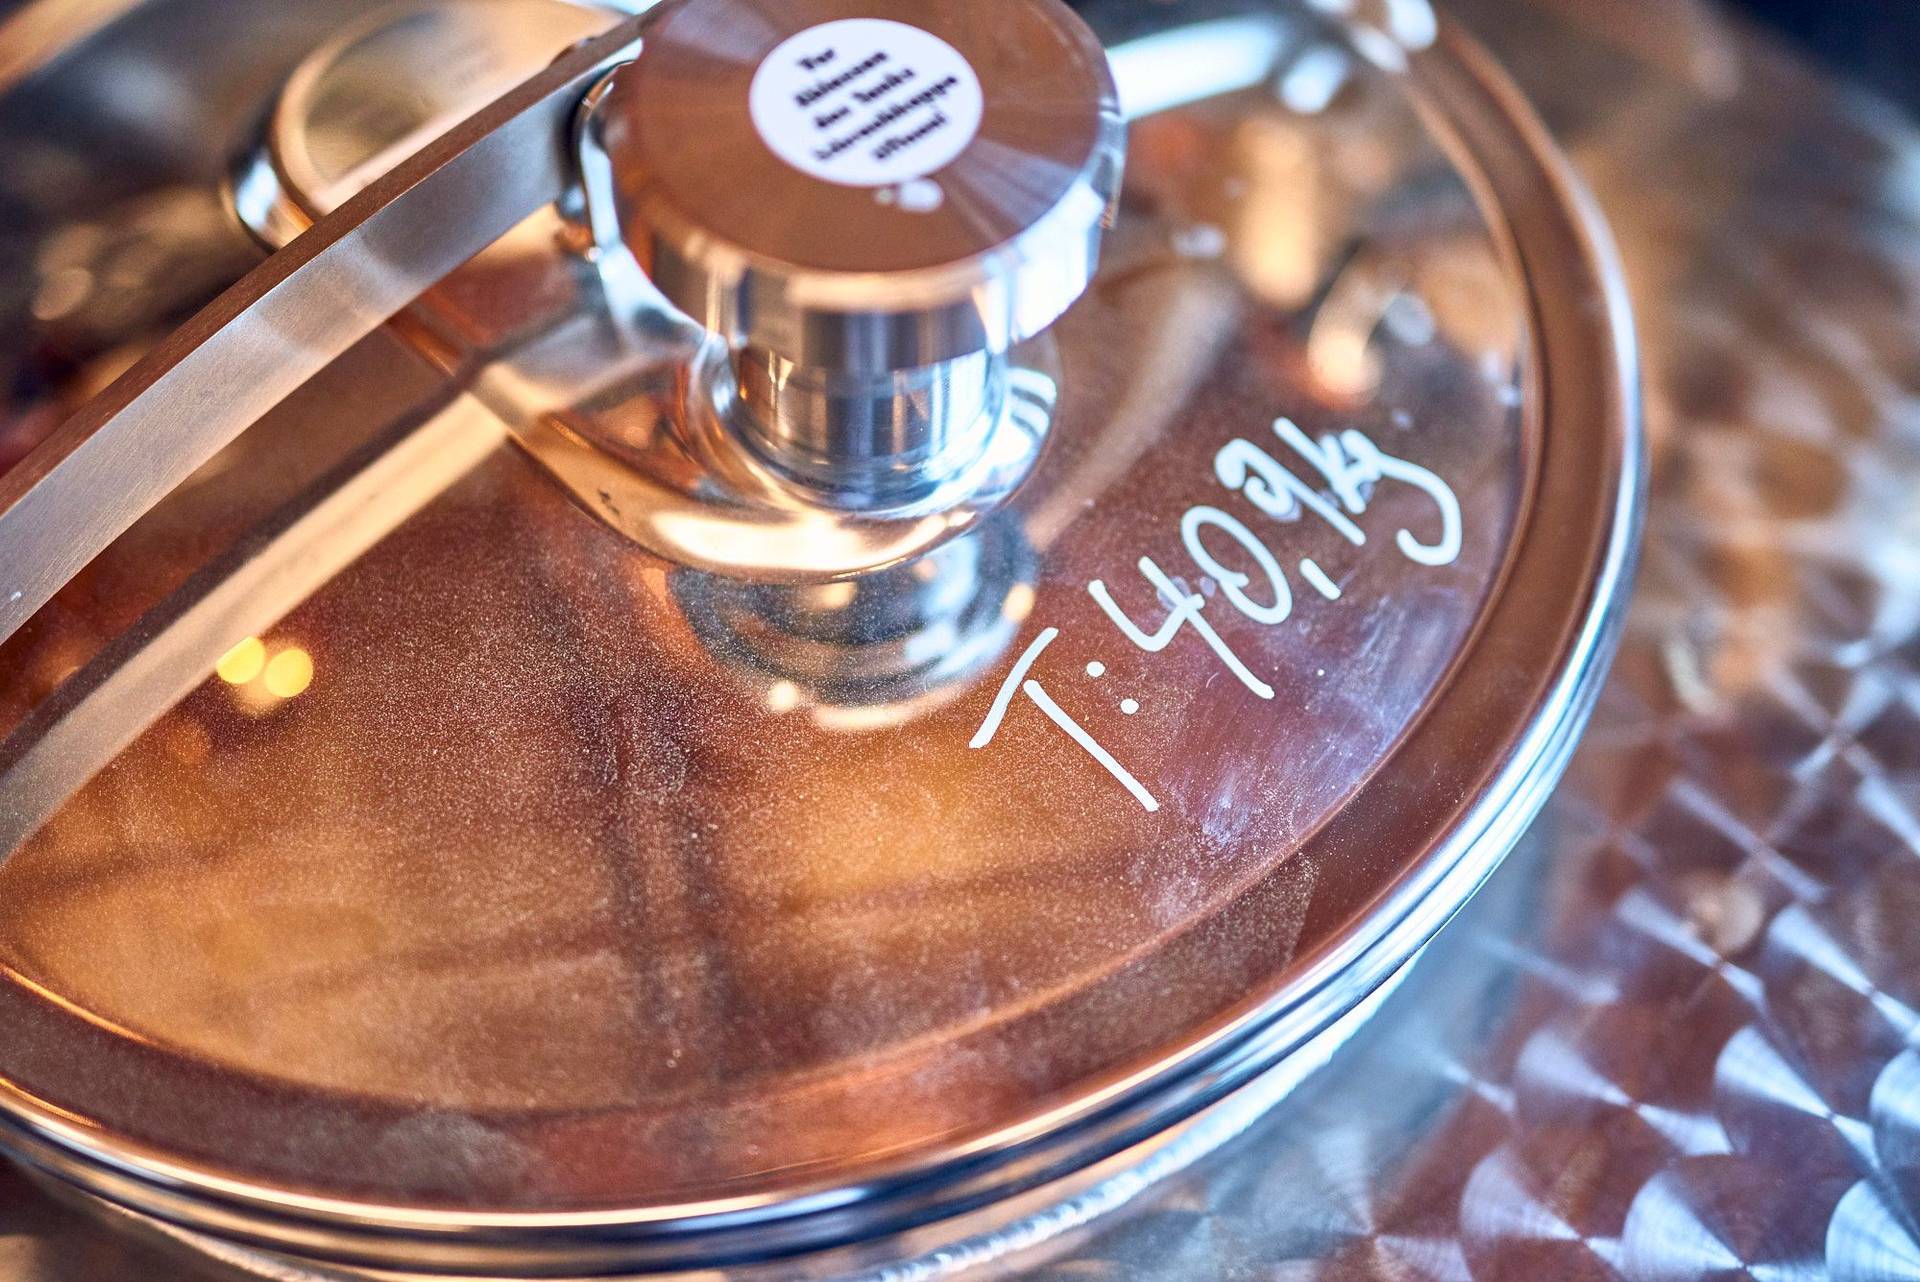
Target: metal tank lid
{"x": 417, "y": 860}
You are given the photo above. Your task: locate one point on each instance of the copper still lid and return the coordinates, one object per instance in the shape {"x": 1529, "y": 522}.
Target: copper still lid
{"x": 421, "y": 861}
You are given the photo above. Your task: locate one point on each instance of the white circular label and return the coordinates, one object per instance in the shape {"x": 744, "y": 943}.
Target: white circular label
{"x": 866, "y": 102}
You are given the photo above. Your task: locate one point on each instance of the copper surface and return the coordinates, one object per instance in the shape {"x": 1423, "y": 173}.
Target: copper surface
{"x": 829, "y": 933}
{"x": 783, "y": 947}
{"x": 1760, "y": 733}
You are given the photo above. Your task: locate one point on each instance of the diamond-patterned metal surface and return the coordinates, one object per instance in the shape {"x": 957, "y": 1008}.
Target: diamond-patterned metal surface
{"x": 1676, "y": 1038}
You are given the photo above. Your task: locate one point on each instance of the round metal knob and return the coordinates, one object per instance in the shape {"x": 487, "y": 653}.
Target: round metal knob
{"x": 871, "y": 202}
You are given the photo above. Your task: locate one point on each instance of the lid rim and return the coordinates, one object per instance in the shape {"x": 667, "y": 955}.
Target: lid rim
{"x": 1346, "y": 968}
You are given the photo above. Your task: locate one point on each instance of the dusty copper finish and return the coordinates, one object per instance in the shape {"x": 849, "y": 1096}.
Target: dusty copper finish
{"x": 537, "y": 900}
{"x": 1536, "y": 1102}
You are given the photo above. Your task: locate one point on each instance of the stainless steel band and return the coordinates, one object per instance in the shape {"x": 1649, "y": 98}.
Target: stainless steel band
{"x": 134, "y": 443}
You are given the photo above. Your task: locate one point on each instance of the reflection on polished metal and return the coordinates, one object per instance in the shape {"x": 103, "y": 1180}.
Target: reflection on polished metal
{"x": 868, "y": 440}
{"x": 880, "y": 649}
{"x": 772, "y": 469}
{"x": 945, "y": 176}
{"x": 594, "y": 911}
{"x": 386, "y": 88}
{"x": 128, "y": 448}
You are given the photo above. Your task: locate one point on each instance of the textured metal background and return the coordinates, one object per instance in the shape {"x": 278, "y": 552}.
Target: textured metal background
{"x": 1676, "y": 1038}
